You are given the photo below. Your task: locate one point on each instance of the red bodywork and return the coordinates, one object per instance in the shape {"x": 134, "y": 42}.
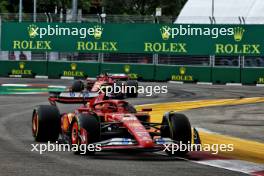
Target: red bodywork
{"x": 104, "y": 79}
{"x": 120, "y": 113}
{"x": 128, "y": 120}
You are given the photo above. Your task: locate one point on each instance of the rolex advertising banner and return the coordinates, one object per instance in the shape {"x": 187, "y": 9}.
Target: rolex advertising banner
{"x": 178, "y": 39}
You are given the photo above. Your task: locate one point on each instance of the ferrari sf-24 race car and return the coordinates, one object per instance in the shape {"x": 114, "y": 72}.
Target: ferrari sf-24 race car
{"x": 122, "y": 81}
{"x": 114, "y": 124}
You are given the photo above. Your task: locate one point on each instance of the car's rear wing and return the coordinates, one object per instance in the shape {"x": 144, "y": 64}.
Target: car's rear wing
{"x": 71, "y": 97}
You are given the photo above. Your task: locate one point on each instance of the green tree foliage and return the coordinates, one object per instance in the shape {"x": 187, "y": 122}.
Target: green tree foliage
{"x": 131, "y": 7}
{"x": 143, "y": 7}
{"x": 45, "y": 5}
{"x": 3, "y": 6}
{"x": 42, "y": 5}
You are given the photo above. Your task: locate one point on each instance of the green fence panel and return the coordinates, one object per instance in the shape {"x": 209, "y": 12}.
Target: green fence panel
{"x": 252, "y": 75}
{"x": 183, "y": 73}
{"x": 72, "y": 69}
{"x": 178, "y": 39}
{"x": 7, "y": 66}
{"x": 24, "y": 68}
{"x": 142, "y": 71}
{"x": 226, "y": 75}
{"x": 139, "y": 71}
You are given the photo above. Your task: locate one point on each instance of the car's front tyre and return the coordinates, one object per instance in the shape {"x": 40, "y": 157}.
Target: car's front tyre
{"x": 177, "y": 127}
{"x": 45, "y": 123}
{"x": 85, "y": 130}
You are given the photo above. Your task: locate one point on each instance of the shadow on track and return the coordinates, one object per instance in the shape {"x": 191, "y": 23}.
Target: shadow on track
{"x": 131, "y": 156}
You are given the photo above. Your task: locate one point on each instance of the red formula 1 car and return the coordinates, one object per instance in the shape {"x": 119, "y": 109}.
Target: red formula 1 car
{"x": 112, "y": 124}
{"x": 113, "y": 80}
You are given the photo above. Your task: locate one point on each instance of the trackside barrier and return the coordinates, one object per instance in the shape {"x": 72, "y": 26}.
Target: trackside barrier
{"x": 183, "y": 73}
{"x": 72, "y": 69}
{"x": 24, "y": 68}
{"x": 147, "y": 72}
{"x": 175, "y": 39}
{"x": 139, "y": 71}
{"x": 226, "y": 75}
{"x": 252, "y": 75}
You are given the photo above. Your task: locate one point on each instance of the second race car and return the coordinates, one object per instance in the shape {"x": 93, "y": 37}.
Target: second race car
{"x": 120, "y": 81}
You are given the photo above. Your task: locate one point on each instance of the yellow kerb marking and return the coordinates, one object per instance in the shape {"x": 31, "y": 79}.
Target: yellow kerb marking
{"x": 243, "y": 149}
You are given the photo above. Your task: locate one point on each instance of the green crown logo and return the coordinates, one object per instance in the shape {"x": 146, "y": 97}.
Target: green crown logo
{"x": 127, "y": 68}
{"x": 32, "y": 31}
{"x": 21, "y": 65}
{"x": 73, "y": 66}
{"x": 98, "y": 31}
{"x": 238, "y": 33}
{"x": 165, "y": 32}
{"x": 182, "y": 70}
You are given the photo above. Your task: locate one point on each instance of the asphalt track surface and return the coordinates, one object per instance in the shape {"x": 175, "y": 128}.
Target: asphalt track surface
{"x": 16, "y": 157}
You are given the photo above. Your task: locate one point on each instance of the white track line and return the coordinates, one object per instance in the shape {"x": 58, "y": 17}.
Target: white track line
{"x": 67, "y": 77}
{"x": 204, "y": 83}
{"x": 176, "y": 82}
{"x": 228, "y": 164}
{"x": 15, "y": 76}
{"x": 28, "y": 93}
{"x": 31, "y": 85}
{"x": 41, "y": 77}
{"x": 15, "y": 85}
{"x": 62, "y": 87}
{"x": 233, "y": 84}
{"x": 234, "y": 165}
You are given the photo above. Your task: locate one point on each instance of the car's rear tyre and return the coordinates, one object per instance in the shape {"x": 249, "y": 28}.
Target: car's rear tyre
{"x": 77, "y": 86}
{"x": 85, "y": 130}
{"x": 178, "y": 128}
{"x": 45, "y": 123}
{"x": 133, "y": 87}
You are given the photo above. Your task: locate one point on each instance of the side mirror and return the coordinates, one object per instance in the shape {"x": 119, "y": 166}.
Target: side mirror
{"x": 146, "y": 109}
